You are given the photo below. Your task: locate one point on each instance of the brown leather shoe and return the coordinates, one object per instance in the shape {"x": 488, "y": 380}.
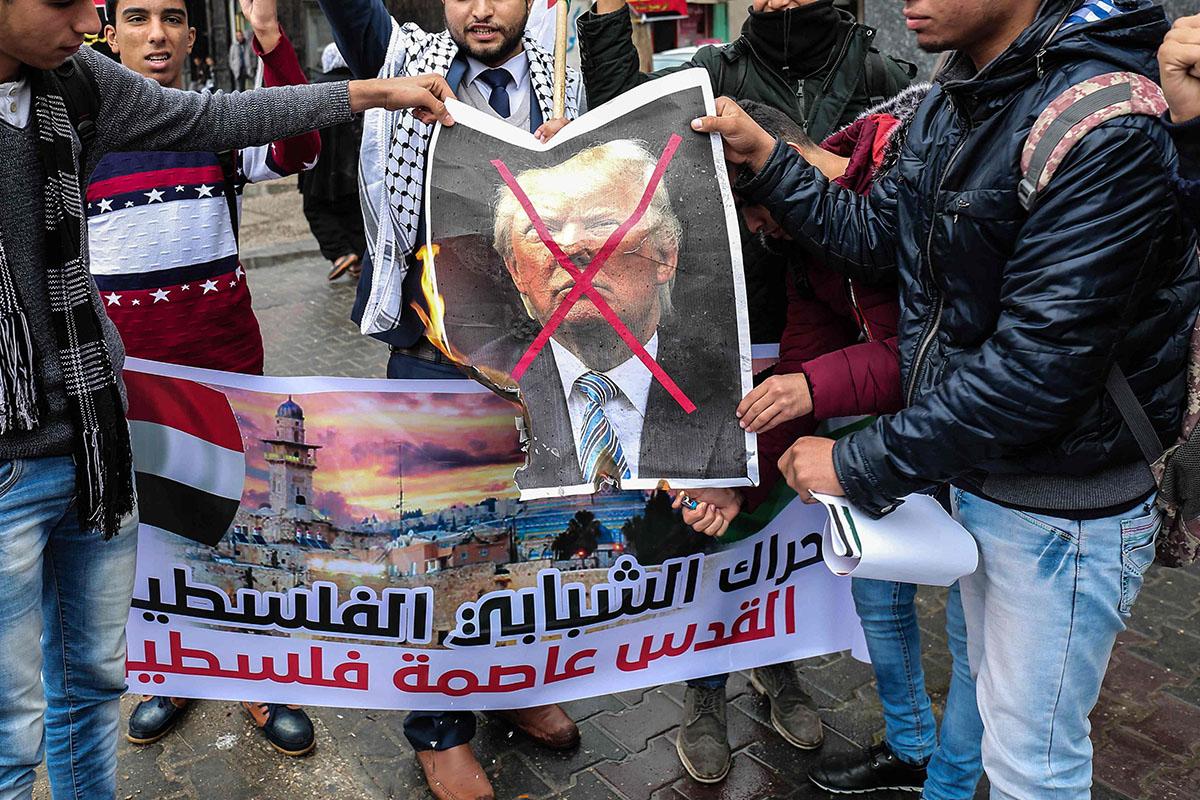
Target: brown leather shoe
{"x": 455, "y": 774}
{"x": 549, "y": 725}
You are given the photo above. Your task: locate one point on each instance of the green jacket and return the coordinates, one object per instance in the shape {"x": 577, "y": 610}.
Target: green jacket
{"x": 855, "y": 79}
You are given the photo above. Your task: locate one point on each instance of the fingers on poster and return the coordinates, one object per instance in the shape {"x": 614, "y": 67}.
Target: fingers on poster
{"x": 597, "y": 281}
{"x": 378, "y": 556}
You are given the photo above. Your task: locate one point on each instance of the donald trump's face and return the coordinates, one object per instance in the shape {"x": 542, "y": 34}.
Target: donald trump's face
{"x": 583, "y": 202}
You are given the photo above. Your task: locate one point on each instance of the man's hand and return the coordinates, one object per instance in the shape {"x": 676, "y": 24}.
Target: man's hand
{"x": 716, "y": 508}
{"x": 609, "y": 6}
{"x": 264, "y": 19}
{"x": 745, "y": 142}
{"x": 1179, "y": 63}
{"x": 426, "y": 94}
{"x": 546, "y": 130}
{"x": 774, "y": 401}
{"x": 807, "y": 466}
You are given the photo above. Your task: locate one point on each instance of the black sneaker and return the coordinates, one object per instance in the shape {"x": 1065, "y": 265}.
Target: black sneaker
{"x": 154, "y": 718}
{"x": 873, "y": 770}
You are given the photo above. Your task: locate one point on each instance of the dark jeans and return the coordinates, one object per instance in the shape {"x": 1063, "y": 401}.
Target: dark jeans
{"x": 439, "y": 730}
{"x": 336, "y": 224}
{"x": 402, "y": 366}
{"x": 431, "y": 730}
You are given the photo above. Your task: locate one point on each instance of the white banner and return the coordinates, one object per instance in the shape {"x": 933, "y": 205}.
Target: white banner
{"x": 379, "y": 558}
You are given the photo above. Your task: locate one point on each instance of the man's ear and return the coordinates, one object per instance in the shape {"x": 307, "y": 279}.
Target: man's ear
{"x": 110, "y": 36}
{"x": 191, "y": 39}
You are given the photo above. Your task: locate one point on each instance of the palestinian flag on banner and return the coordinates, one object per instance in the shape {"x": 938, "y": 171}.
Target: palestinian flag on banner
{"x": 187, "y": 456}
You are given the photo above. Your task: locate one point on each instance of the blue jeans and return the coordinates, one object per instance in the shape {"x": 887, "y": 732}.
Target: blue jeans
{"x": 888, "y": 614}
{"x": 402, "y": 366}
{"x": 70, "y": 590}
{"x": 1043, "y": 612}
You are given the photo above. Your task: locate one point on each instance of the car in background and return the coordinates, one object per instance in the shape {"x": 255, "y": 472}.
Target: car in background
{"x": 678, "y": 56}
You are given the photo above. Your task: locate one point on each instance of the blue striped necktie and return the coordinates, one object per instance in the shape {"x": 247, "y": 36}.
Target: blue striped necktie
{"x": 600, "y": 451}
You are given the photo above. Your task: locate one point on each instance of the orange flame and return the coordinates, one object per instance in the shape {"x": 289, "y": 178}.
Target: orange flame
{"x": 435, "y": 331}
{"x": 435, "y": 318}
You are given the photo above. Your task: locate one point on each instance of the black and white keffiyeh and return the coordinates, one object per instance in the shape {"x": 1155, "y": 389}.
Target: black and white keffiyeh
{"x": 392, "y": 163}
{"x": 103, "y": 461}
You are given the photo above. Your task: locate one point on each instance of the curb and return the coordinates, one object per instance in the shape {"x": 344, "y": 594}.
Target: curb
{"x": 274, "y": 255}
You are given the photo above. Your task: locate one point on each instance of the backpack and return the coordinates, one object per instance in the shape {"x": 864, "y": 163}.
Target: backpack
{"x": 1176, "y": 469}
{"x": 81, "y": 94}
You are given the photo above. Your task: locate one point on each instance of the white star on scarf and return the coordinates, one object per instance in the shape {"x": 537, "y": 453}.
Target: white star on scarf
{"x": 155, "y": 196}
{"x": 210, "y": 286}
{"x": 161, "y": 294}
{"x": 204, "y": 191}
{"x": 113, "y": 299}
{"x": 105, "y": 205}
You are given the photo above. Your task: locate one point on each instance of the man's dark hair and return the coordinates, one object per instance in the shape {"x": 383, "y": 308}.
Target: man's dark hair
{"x": 110, "y": 10}
{"x": 776, "y": 123}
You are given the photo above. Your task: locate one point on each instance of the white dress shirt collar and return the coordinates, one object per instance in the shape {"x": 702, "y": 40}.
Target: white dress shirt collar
{"x": 517, "y": 67}
{"x": 15, "y": 100}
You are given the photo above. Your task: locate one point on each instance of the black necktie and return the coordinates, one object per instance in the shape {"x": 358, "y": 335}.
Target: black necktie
{"x": 498, "y": 79}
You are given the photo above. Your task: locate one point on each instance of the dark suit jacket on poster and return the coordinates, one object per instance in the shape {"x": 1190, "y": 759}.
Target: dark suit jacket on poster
{"x": 705, "y": 443}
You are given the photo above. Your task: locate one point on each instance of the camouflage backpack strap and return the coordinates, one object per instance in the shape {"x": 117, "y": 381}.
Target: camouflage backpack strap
{"x": 1072, "y": 115}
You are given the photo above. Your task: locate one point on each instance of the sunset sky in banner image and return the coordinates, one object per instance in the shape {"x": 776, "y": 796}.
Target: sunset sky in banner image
{"x": 457, "y": 448}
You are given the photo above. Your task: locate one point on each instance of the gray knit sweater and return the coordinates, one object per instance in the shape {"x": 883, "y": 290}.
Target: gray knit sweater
{"x": 135, "y": 114}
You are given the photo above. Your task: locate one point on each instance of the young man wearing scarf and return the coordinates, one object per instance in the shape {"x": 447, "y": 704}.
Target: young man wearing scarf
{"x": 806, "y": 58}
{"x": 183, "y": 298}
{"x": 67, "y": 506}
{"x": 495, "y": 67}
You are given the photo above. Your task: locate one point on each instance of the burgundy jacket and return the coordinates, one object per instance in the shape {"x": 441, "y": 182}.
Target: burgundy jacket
{"x": 840, "y": 333}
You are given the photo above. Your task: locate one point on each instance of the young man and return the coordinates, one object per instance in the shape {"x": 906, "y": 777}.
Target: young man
{"x": 838, "y": 358}
{"x": 1011, "y": 323}
{"x": 807, "y": 58}
{"x": 183, "y": 297}
{"x": 493, "y": 67}
{"x": 1179, "y": 60}
{"x": 67, "y": 518}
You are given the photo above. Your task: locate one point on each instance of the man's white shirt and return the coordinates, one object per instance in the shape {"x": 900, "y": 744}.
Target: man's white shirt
{"x": 15, "y": 100}
{"x": 626, "y": 413}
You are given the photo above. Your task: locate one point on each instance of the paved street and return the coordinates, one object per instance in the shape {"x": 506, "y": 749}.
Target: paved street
{"x": 1146, "y": 728}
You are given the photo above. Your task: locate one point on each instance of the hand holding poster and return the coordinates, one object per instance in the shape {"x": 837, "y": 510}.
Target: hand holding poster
{"x": 598, "y": 280}
{"x": 377, "y": 556}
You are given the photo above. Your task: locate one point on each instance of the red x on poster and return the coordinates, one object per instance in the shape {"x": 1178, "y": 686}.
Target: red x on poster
{"x": 596, "y": 280}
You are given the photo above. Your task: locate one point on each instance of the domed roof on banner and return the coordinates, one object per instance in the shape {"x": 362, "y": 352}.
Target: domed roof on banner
{"x": 290, "y": 410}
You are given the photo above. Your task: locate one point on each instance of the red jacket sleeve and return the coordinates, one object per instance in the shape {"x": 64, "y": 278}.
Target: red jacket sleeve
{"x": 856, "y": 380}
{"x": 281, "y": 67}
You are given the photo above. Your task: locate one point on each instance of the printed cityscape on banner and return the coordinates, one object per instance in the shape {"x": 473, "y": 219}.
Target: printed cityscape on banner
{"x": 399, "y": 490}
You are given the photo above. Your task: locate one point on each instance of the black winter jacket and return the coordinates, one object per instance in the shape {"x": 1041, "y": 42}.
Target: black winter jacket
{"x": 1010, "y": 321}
